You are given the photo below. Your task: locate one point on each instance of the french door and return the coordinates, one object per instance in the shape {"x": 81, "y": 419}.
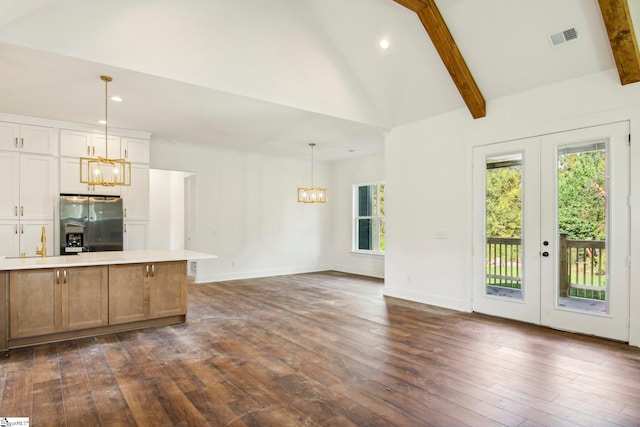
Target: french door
{"x": 551, "y": 230}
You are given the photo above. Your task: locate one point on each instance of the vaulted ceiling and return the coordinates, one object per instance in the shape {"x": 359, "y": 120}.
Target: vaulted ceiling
{"x": 272, "y": 75}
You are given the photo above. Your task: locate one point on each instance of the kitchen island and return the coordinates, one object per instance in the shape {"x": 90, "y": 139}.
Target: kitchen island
{"x": 63, "y": 297}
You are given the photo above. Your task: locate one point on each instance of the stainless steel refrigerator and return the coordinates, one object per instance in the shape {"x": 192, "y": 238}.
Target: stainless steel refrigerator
{"x": 90, "y": 224}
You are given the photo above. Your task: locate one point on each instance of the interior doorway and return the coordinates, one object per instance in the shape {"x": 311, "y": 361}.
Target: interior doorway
{"x": 172, "y": 209}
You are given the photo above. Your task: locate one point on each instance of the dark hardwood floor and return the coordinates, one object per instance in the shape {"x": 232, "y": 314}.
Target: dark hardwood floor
{"x": 324, "y": 349}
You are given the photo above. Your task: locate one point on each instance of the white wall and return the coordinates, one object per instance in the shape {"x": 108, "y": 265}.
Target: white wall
{"x": 344, "y": 175}
{"x": 428, "y": 167}
{"x": 247, "y": 213}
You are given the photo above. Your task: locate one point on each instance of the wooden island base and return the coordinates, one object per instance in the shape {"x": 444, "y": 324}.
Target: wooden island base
{"x": 63, "y": 298}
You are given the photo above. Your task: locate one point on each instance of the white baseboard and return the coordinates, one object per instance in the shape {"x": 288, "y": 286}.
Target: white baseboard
{"x": 200, "y": 278}
{"x": 458, "y": 305}
{"x": 358, "y": 271}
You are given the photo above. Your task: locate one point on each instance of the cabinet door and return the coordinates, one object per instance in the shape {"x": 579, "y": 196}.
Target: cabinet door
{"x": 34, "y": 307}
{"x": 38, "y": 186}
{"x": 75, "y": 143}
{"x": 31, "y": 237}
{"x": 135, "y": 150}
{"x": 135, "y": 235}
{"x": 70, "y": 180}
{"x": 168, "y": 295}
{"x": 128, "y": 293}
{"x": 9, "y": 238}
{"x": 9, "y": 136}
{"x": 4, "y": 315}
{"x": 70, "y": 177}
{"x": 10, "y": 178}
{"x": 99, "y": 149}
{"x": 135, "y": 198}
{"x": 38, "y": 139}
{"x": 85, "y": 297}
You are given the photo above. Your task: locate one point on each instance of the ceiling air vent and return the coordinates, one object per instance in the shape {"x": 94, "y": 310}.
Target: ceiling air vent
{"x": 563, "y": 36}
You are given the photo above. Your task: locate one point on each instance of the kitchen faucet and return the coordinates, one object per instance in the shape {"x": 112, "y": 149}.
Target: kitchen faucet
{"x": 43, "y": 239}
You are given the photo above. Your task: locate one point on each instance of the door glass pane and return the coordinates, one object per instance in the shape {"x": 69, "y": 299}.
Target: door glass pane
{"x": 503, "y": 228}
{"x": 582, "y": 227}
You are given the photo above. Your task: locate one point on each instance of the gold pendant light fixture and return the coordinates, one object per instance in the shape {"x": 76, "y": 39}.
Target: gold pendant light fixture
{"x": 103, "y": 170}
{"x": 312, "y": 194}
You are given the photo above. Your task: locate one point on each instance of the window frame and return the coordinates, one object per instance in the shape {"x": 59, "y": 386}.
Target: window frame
{"x": 376, "y": 217}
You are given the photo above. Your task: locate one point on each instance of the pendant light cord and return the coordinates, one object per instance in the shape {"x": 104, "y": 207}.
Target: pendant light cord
{"x": 106, "y": 80}
{"x": 312, "y": 145}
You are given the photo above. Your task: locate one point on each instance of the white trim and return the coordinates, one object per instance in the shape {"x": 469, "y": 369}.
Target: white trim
{"x": 200, "y": 278}
{"x": 457, "y": 304}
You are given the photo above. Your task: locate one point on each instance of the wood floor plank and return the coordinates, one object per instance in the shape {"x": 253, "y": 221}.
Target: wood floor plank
{"x": 324, "y": 349}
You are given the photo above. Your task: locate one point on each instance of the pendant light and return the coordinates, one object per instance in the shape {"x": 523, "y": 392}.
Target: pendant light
{"x": 103, "y": 170}
{"x": 312, "y": 194}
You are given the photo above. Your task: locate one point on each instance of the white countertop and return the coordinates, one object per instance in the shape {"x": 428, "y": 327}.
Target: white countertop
{"x": 102, "y": 258}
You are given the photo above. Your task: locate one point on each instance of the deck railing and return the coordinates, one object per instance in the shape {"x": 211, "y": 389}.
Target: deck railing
{"x": 504, "y": 262}
{"x": 582, "y": 266}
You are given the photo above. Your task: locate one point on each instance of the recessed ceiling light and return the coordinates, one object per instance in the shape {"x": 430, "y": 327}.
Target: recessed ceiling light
{"x": 384, "y": 43}
{"x": 102, "y": 122}
{"x": 116, "y": 98}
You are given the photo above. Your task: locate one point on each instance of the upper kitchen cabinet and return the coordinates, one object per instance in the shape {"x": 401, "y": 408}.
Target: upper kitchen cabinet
{"x": 75, "y": 143}
{"x": 86, "y": 144}
{"x": 28, "y": 138}
{"x": 10, "y": 178}
{"x": 109, "y": 149}
{"x": 29, "y": 186}
{"x": 38, "y": 186}
{"x": 134, "y": 150}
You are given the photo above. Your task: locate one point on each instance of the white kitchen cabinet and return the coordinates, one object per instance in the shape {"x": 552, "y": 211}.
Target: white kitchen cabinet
{"x": 75, "y": 143}
{"x": 135, "y": 235}
{"x": 31, "y": 235}
{"x": 70, "y": 180}
{"x": 10, "y": 177}
{"x": 9, "y": 238}
{"x": 24, "y": 237}
{"x": 86, "y": 144}
{"x": 134, "y": 150}
{"x": 38, "y": 186}
{"x": 29, "y": 186}
{"x": 28, "y": 138}
{"x": 110, "y": 149}
{"x": 135, "y": 198}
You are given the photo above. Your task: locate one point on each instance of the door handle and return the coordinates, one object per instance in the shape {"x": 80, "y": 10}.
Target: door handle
{"x": 545, "y": 253}
{"x": 22, "y": 142}
{"x": 153, "y": 270}
{"x": 147, "y": 271}
{"x": 57, "y": 277}
{"x": 16, "y": 210}
{"x": 64, "y": 276}
{"x": 21, "y": 210}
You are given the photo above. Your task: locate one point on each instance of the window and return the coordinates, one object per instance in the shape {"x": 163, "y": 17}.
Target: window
{"x": 368, "y": 223}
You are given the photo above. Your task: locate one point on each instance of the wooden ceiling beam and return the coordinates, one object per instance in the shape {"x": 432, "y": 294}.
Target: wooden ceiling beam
{"x": 449, "y": 54}
{"x": 622, "y": 37}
